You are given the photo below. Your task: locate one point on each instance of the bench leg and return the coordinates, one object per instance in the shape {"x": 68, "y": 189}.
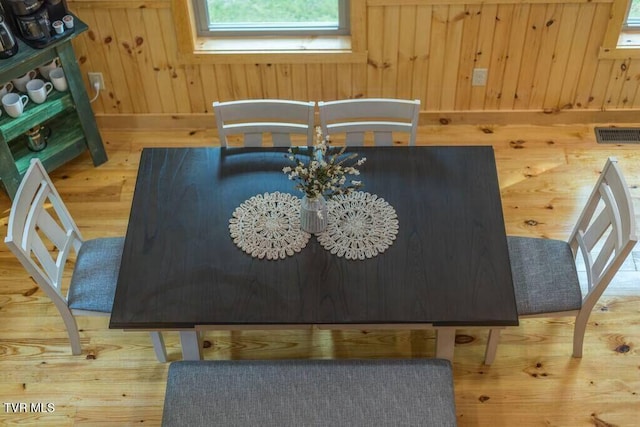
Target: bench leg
{"x": 445, "y": 342}
{"x": 191, "y": 348}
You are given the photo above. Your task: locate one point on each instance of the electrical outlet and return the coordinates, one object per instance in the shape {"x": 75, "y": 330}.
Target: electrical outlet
{"x": 96, "y": 78}
{"x": 479, "y": 77}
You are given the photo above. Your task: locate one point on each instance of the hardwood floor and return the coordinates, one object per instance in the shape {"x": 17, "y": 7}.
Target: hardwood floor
{"x": 546, "y": 174}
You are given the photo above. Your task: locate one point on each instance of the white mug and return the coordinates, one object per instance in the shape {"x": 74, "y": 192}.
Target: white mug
{"x": 5, "y": 89}
{"x": 46, "y": 68}
{"x": 38, "y": 90}
{"x": 14, "y": 104}
{"x": 57, "y": 78}
{"x": 20, "y": 83}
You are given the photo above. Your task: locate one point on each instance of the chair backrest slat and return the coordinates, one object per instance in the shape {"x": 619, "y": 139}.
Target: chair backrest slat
{"x": 607, "y": 228}
{"x": 30, "y": 223}
{"x": 597, "y": 229}
{"x": 252, "y": 118}
{"x": 380, "y": 116}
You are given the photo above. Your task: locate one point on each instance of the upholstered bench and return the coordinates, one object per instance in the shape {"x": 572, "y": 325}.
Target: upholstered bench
{"x": 381, "y": 392}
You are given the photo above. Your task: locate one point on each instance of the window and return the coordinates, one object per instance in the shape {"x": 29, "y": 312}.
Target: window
{"x": 632, "y": 22}
{"x": 622, "y": 36}
{"x": 271, "y": 31}
{"x": 220, "y": 18}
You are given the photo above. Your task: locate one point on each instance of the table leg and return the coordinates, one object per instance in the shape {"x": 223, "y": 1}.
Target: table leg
{"x": 158, "y": 346}
{"x": 445, "y": 342}
{"x": 191, "y": 348}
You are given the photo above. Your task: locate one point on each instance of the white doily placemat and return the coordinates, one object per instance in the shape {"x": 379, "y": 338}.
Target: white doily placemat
{"x": 268, "y": 226}
{"x": 361, "y": 225}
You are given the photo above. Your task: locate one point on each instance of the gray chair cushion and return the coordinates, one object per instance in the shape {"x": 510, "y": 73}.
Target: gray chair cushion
{"x": 93, "y": 283}
{"x": 415, "y": 392}
{"x": 544, "y": 275}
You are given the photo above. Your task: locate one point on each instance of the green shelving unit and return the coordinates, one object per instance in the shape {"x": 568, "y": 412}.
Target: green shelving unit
{"x": 68, "y": 115}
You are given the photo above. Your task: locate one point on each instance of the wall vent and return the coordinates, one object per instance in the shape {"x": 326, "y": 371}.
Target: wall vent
{"x": 618, "y": 135}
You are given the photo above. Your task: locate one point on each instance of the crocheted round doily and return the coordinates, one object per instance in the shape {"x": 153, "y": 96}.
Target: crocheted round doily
{"x": 361, "y": 225}
{"x": 268, "y": 226}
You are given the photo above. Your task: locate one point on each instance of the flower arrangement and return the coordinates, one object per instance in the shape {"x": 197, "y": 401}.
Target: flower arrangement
{"x": 325, "y": 171}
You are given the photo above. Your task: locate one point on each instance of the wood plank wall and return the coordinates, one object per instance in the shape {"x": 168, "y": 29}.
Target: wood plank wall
{"x": 541, "y": 55}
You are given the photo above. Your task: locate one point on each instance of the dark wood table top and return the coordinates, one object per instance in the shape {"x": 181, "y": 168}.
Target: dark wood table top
{"x": 448, "y": 266}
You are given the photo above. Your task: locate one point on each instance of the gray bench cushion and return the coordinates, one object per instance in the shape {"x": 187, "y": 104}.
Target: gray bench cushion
{"x": 415, "y": 392}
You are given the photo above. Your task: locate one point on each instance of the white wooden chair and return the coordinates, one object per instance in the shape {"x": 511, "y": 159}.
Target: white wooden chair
{"x": 544, "y": 271}
{"x": 381, "y": 116}
{"x": 252, "y": 118}
{"x": 33, "y": 230}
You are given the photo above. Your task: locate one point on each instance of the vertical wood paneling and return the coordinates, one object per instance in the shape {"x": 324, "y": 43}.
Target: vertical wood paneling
{"x": 174, "y": 68}
{"x": 375, "y": 62}
{"x": 455, "y": 24}
{"x": 195, "y": 89}
{"x": 598, "y": 91}
{"x": 515, "y": 52}
{"x": 630, "y": 85}
{"x": 85, "y": 62}
{"x": 126, "y": 49}
{"x": 549, "y": 35}
{"x": 343, "y": 81}
{"x": 499, "y": 52}
{"x": 224, "y": 83}
{"x": 270, "y": 80}
{"x": 209, "y": 86}
{"x": 161, "y": 70}
{"x": 421, "y": 52}
{"x": 390, "y": 51}
{"x": 612, "y": 95}
{"x": 539, "y": 56}
{"x": 406, "y": 57}
{"x": 437, "y": 53}
{"x": 285, "y": 89}
{"x": 239, "y": 81}
{"x": 142, "y": 48}
{"x": 314, "y": 83}
{"x": 95, "y": 52}
{"x": 120, "y": 91}
{"x": 560, "y": 56}
{"x": 577, "y": 56}
{"x": 590, "y": 63}
{"x": 532, "y": 45}
{"x": 636, "y": 99}
{"x": 254, "y": 82}
{"x": 467, "y": 56}
{"x": 329, "y": 81}
{"x": 482, "y": 57}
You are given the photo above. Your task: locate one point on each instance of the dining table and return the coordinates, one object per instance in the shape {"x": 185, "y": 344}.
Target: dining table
{"x": 447, "y": 267}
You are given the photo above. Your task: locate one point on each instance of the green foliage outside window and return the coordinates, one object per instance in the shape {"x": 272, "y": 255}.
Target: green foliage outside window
{"x": 272, "y": 11}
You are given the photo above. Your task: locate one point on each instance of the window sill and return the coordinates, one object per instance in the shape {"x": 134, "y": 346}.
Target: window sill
{"x": 274, "y": 50}
{"x": 628, "y": 46}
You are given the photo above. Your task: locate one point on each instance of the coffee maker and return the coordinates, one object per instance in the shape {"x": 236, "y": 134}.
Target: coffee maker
{"x": 8, "y": 43}
{"x": 33, "y": 19}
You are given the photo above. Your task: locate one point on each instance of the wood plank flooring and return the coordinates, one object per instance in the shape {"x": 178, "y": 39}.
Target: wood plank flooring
{"x": 546, "y": 174}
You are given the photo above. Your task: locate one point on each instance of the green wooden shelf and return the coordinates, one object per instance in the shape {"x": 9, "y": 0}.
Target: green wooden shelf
{"x": 68, "y": 114}
{"x": 56, "y": 103}
{"x": 66, "y": 141}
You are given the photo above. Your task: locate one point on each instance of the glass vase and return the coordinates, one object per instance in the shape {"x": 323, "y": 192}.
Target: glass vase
{"x": 313, "y": 214}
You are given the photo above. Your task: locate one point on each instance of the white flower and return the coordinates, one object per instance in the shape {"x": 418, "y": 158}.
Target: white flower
{"x": 322, "y": 171}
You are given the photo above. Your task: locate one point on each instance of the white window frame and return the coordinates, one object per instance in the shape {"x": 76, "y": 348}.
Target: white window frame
{"x": 277, "y": 49}
{"x": 620, "y": 43}
{"x": 204, "y": 29}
